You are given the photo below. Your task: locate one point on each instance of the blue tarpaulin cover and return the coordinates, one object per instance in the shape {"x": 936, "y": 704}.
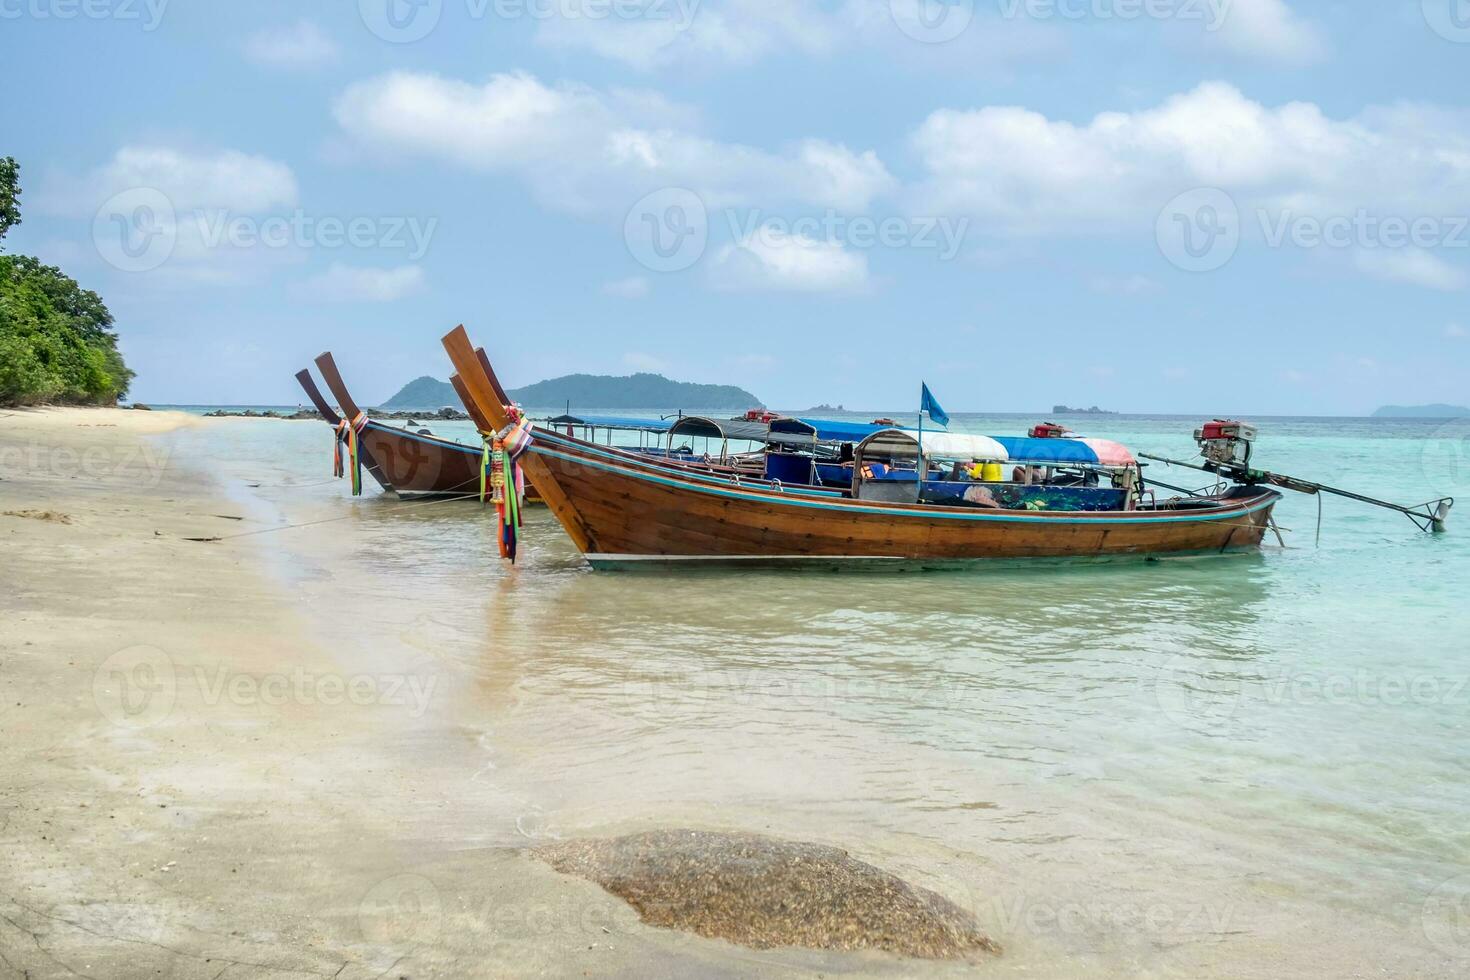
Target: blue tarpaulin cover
{"x": 797, "y": 430}
{"x": 1048, "y": 450}
{"x": 831, "y": 431}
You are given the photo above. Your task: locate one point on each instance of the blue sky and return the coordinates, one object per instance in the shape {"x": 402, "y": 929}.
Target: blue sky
{"x": 1253, "y": 206}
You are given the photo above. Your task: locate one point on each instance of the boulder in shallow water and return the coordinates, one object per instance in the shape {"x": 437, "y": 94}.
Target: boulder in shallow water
{"x": 763, "y": 892}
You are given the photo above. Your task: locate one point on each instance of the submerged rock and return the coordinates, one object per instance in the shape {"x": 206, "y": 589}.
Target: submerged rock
{"x": 763, "y": 892}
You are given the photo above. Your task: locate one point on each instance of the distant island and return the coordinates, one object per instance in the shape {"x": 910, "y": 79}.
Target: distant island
{"x": 584, "y": 391}
{"x": 424, "y": 393}
{"x": 1436, "y": 411}
{"x": 822, "y": 408}
{"x": 1094, "y": 410}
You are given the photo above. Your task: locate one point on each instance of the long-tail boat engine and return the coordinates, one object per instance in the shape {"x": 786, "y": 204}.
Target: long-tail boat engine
{"x": 1225, "y": 442}
{"x": 1226, "y": 446}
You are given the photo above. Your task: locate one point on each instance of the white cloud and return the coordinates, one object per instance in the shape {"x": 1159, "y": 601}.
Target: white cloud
{"x": 977, "y": 37}
{"x": 773, "y": 260}
{"x": 756, "y": 362}
{"x": 179, "y": 201}
{"x": 349, "y": 284}
{"x": 1454, "y": 331}
{"x": 222, "y": 179}
{"x": 1026, "y": 173}
{"x": 634, "y": 287}
{"x": 582, "y": 149}
{"x": 1134, "y": 285}
{"x": 1413, "y": 267}
{"x": 639, "y": 361}
{"x": 1270, "y": 29}
{"x": 300, "y": 46}
{"x": 736, "y": 32}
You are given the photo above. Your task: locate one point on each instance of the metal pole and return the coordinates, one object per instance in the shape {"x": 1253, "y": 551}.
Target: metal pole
{"x": 1432, "y": 514}
{"x": 919, "y": 463}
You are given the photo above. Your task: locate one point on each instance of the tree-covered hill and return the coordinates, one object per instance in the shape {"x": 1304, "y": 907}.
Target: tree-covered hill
{"x": 424, "y": 392}
{"x": 56, "y": 339}
{"x": 652, "y": 392}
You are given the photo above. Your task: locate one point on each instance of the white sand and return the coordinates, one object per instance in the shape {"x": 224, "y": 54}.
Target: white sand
{"x": 204, "y": 775}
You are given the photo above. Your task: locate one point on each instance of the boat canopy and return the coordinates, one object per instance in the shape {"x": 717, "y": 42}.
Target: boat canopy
{"x": 791, "y": 431}
{"x": 722, "y": 429}
{"x": 1002, "y": 449}
{"x": 613, "y": 422}
{"x": 803, "y": 432}
{"x": 828, "y": 430}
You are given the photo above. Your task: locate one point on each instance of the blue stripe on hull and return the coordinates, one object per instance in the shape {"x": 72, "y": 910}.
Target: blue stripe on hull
{"x": 939, "y": 513}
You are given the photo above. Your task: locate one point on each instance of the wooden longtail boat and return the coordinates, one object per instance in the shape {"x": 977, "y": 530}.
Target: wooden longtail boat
{"x": 330, "y": 416}
{"x": 402, "y": 461}
{"x": 621, "y": 510}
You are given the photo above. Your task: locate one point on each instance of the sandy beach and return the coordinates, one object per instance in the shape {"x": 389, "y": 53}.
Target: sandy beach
{"x": 229, "y": 754}
{"x": 194, "y": 788}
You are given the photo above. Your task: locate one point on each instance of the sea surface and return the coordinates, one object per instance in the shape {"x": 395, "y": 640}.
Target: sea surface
{"x": 1127, "y": 766}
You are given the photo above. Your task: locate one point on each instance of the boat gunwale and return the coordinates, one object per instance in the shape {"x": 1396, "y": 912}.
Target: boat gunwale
{"x": 1237, "y": 507}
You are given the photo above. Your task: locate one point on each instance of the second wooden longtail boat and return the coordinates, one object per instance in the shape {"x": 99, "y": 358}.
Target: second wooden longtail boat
{"x": 400, "y": 460}
{"x": 620, "y": 509}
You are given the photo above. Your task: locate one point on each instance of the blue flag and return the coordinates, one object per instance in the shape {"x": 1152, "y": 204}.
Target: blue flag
{"x": 928, "y": 404}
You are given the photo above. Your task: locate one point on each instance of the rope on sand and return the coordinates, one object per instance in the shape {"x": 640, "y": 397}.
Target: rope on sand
{"x": 331, "y": 520}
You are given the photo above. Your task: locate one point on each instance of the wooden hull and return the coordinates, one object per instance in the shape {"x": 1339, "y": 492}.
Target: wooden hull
{"x": 635, "y": 514}
{"x": 419, "y": 464}
{"x": 400, "y": 460}
{"x": 622, "y": 510}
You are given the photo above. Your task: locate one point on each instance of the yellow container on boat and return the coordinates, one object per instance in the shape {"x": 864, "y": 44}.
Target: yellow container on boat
{"x": 993, "y": 473}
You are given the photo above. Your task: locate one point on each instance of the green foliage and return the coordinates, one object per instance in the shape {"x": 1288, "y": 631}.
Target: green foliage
{"x": 55, "y": 341}
{"x": 9, "y": 194}
{"x": 645, "y": 391}
{"x": 424, "y": 392}
{"x": 590, "y": 391}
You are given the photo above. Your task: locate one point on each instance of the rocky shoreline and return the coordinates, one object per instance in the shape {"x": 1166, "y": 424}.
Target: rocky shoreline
{"x": 443, "y": 414}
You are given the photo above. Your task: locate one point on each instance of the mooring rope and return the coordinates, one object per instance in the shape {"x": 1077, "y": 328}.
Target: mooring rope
{"x": 331, "y": 520}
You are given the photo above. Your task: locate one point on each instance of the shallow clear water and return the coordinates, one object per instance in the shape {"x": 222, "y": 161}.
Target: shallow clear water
{"x": 1242, "y": 737}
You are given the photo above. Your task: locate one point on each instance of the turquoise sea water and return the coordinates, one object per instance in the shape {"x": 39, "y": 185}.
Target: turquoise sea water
{"x": 1265, "y": 749}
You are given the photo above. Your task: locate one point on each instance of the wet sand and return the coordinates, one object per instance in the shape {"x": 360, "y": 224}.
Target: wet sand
{"x": 260, "y": 757}
{"x": 195, "y": 785}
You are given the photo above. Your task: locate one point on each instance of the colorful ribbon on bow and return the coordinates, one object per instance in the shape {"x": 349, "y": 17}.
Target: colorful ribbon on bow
{"x": 350, "y": 433}
{"x": 501, "y": 474}
{"x": 339, "y": 436}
